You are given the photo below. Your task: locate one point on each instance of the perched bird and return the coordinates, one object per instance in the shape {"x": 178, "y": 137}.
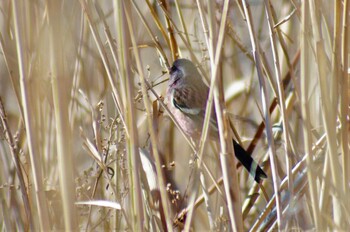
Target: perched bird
{"x": 187, "y": 96}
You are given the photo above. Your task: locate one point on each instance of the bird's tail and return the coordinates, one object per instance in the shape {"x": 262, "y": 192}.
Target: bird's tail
{"x": 247, "y": 161}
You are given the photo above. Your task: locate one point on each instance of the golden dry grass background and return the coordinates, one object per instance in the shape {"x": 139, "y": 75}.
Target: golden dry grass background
{"x": 82, "y": 85}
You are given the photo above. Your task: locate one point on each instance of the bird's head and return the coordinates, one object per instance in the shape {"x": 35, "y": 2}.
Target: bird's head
{"x": 181, "y": 71}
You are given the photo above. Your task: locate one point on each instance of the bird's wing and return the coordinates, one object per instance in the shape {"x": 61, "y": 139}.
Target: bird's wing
{"x": 192, "y": 103}
{"x": 188, "y": 100}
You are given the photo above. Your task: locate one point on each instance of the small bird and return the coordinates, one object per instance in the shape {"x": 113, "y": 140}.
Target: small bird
{"x": 187, "y": 96}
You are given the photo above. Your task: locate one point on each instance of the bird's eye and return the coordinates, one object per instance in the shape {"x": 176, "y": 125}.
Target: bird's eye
{"x": 173, "y": 69}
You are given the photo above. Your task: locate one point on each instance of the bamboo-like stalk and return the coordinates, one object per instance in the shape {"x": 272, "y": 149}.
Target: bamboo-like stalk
{"x": 111, "y": 44}
{"x": 161, "y": 181}
{"x": 225, "y": 158}
{"x": 27, "y": 103}
{"x": 207, "y": 201}
{"x": 63, "y": 131}
{"x": 153, "y": 37}
{"x": 156, "y": 20}
{"x": 329, "y": 96}
{"x": 183, "y": 22}
{"x": 344, "y": 98}
{"x": 305, "y": 86}
{"x": 226, "y": 154}
{"x": 118, "y": 99}
{"x": 198, "y": 172}
{"x": 12, "y": 78}
{"x": 193, "y": 56}
{"x": 17, "y": 163}
{"x": 260, "y": 128}
{"x": 278, "y": 31}
{"x": 173, "y": 43}
{"x": 81, "y": 52}
{"x": 297, "y": 169}
{"x": 132, "y": 142}
{"x": 281, "y": 96}
{"x": 265, "y": 103}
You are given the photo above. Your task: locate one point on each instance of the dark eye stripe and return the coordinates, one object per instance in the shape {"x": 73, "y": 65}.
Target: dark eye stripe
{"x": 173, "y": 69}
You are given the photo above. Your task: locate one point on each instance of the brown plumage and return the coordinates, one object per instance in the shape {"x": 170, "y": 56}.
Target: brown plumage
{"x": 187, "y": 97}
